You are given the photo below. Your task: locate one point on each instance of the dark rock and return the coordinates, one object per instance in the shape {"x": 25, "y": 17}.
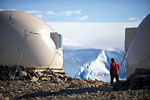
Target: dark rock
{"x": 48, "y": 72}
{"x": 69, "y": 79}
{"x": 13, "y": 69}
{"x": 4, "y": 77}
{"x": 22, "y": 74}
{"x": 121, "y": 85}
{"x": 72, "y": 85}
{"x": 33, "y": 73}
{"x": 146, "y": 87}
{"x": 131, "y": 85}
{"x": 56, "y": 80}
{"x": 11, "y": 78}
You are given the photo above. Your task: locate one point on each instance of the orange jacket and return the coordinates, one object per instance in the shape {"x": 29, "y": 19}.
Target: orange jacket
{"x": 114, "y": 68}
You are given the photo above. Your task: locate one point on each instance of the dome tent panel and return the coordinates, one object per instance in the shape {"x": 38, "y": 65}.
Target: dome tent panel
{"x": 26, "y": 37}
{"x": 138, "y": 55}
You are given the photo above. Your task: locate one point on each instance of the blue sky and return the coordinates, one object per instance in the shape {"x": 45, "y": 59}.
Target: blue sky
{"x": 82, "y": 10}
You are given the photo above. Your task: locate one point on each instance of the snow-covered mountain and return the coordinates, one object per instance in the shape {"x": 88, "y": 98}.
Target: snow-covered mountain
{"x": 92, "y": 63}
{"x": 75, "y": 59}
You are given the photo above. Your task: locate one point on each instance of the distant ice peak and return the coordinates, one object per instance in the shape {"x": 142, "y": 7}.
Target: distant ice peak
{"x": 95, "y": 69}
{"x": 102, "y": 56}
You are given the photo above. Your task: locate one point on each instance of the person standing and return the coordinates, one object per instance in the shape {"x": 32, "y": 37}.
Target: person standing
{"x": 114, "y": 71}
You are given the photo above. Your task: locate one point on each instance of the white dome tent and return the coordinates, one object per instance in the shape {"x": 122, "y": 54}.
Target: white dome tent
{"x": 25, "y": 40}
{"x": 137, "y": 47}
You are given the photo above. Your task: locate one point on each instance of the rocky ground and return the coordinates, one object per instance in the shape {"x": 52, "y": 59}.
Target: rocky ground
{"x": 51, "y": 86}
{"x": 75, "y": 89}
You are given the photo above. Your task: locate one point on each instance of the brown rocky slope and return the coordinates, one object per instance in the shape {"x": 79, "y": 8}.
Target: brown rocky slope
{"x": 47, "y": 85}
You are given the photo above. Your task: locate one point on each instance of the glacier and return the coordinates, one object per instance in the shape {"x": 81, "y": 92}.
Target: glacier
{"x": 93, "y": 64}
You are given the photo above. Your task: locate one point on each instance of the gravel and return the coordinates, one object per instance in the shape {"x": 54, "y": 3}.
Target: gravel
{"x": 48, "y": 85}
{"x": 77, "y": 89}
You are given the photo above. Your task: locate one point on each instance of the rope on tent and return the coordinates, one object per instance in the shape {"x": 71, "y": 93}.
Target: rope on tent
{"x": 21, "y": 28}
{"x": 52, "y": 60}
{"x": 21, "y": 54}
{"x": 56, "y": 52}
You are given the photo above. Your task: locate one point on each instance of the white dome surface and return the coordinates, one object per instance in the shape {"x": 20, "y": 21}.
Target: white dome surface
{"x": 25, "y": 40}
{"x": 138, "y": 55}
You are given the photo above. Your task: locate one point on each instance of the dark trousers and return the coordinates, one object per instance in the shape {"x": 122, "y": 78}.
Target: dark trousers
{"x": 112, "y": 79}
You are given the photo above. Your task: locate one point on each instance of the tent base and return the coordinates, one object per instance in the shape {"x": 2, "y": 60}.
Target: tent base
{"x": 56, "y": 70}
